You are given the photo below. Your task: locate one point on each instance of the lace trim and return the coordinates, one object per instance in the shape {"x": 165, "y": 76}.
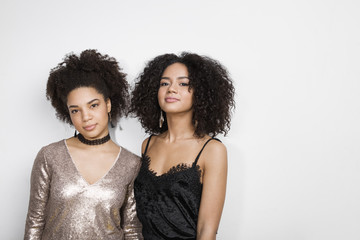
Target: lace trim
{"x": 181, "y": 167}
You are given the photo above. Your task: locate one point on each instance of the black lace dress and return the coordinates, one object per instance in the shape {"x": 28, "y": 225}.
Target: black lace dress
{"x": 168, "y": 205}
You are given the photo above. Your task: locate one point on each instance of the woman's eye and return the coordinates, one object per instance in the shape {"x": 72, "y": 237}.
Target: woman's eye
{"x": 164, "y": 84}
{"x": 74, "y": 111}
{"x": 184, "y": 84}
{"x": 94, "y": 105}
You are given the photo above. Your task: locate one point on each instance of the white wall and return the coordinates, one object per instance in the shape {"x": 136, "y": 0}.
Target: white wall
{"x": 294, "y": 144}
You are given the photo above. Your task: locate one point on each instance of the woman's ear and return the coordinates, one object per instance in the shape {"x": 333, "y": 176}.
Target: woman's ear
{"x": 108, "y": 105}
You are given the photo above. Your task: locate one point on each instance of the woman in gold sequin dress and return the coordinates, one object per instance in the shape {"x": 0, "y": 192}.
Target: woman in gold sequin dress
{"x": 82, "y": 187}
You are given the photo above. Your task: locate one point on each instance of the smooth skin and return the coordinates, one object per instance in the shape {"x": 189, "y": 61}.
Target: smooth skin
{"x": 89, "y": 114}
{"x": 179, "y": 145}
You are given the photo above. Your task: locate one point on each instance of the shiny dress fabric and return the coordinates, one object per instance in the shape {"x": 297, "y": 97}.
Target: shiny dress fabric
{"x": 64, "y": 206}
{"x": 168, "y": 205}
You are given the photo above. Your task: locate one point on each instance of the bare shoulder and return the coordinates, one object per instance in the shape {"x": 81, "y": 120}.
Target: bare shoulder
{"x": 145, "y": 142}
{"x": 143, "y": 145}
{"x": 215, "y": 147}
{"x": 214, "y": 155}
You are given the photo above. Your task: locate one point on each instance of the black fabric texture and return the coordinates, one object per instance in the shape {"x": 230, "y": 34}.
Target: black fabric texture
{"x": 168, "y": 205}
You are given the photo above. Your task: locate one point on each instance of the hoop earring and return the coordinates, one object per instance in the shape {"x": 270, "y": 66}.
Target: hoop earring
{"x": 75, "y": 133}
{"x": 161, "y": 120}
{"x": 110, "y": 121}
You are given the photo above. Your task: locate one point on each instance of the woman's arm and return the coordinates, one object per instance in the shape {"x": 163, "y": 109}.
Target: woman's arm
{"x": 131, "y": 224}
{"x": 129, "y": 220}
{"x": 39, "y": 193}
{"x": 214, "y": 188}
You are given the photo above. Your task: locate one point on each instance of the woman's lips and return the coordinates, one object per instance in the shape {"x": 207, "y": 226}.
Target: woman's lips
{"x": 90, "y": 127}
{"x": 171, "y": 99}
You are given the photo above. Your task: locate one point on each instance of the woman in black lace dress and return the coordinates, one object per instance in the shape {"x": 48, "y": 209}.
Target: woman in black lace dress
{"x": 183, "y": 102}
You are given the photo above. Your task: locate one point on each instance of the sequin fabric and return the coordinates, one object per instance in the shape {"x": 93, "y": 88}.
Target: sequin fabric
{"x": 64, "y": 206}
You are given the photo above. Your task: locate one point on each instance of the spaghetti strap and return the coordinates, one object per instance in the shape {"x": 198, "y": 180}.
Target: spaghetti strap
{"x": 147, "y": 144}
{"x": 197, "y": 157}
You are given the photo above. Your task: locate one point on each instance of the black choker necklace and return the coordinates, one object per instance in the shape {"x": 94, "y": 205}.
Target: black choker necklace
{"x": 93, "y": 142}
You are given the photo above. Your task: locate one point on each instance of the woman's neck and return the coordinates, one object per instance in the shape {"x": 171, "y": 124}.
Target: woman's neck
{"x": 180, "y": 127}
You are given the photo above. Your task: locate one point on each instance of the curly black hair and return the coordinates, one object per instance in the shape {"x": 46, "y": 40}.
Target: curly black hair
{"x": 90, "y": 69}
{"x": 213, "y": 99}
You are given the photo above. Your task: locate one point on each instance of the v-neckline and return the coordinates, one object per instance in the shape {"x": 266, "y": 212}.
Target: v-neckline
{"x": 81, "y": 176}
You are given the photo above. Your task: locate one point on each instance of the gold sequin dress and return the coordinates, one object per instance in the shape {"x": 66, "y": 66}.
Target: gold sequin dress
{"x": 64, "y": 206}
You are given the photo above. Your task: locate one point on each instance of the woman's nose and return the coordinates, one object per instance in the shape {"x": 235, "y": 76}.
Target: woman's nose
{"x": 86, "y": 116}
{"x": 172, "y": 88}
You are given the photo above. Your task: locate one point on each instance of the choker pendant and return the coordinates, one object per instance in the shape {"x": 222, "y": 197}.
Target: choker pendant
{"x": 93, "y": 142}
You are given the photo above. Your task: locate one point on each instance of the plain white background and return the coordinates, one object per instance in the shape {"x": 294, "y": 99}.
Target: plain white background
{"x": 294, "y": 143}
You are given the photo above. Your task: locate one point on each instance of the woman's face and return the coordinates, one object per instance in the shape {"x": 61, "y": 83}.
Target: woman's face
{"x": 89, "y": 112}
{"x": 174, "y": 95}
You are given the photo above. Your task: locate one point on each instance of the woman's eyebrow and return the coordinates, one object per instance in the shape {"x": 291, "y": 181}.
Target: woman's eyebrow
{"x": 182, "y": 77}
{"x": 75, "y": 106}
{"x": 90, "y": 102}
